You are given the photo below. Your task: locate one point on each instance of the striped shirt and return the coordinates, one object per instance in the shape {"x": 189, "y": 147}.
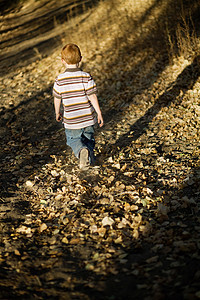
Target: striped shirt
{"x": 73, "y": 87}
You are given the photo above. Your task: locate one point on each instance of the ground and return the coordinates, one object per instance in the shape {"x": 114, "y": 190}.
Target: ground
{"x": 129, "y": 227}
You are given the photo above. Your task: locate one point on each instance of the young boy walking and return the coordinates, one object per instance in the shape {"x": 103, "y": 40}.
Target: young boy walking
{"x": 76, "y": 90}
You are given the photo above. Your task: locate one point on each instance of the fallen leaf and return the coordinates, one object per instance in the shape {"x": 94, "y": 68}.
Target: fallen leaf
{"x": 107, "y": 221}
{"x": 17, "y": 252}
{"x": 93, "y": 228}
{"x": 24, "y": 230}
{"x": 162, "y": 209}
{"x": 43, "y": 227}
{"x": 101, "y": 231}
{"x": 29, "y": 183}
{"x": 65, "y": 240}
{"x": 123, "y": 223}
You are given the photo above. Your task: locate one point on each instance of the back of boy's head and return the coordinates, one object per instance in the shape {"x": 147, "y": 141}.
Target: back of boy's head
{"x": 71, "y": 54}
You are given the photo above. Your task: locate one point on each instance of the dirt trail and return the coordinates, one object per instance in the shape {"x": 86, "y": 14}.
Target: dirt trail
{"x": 35, "y": 30}
{"x": 128, "y": 228}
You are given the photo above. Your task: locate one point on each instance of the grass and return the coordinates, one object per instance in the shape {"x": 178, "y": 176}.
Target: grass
{"x": 183, "y": 40}
{"x": 116, "y": 25}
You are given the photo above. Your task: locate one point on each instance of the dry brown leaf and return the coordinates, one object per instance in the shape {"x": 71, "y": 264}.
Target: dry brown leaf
{"x": 101, "y": 231}
{"x": 43, "y": 227}
{"x": 107, "y": 221}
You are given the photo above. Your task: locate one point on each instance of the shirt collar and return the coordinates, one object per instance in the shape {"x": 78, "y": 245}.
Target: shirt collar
{"x": 72, "y": 69}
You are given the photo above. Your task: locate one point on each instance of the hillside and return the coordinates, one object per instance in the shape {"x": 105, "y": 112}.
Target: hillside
{"x": 129, "y": 227}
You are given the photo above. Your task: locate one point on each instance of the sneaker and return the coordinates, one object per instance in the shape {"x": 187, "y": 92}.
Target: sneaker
{"x": 84, "y": 159}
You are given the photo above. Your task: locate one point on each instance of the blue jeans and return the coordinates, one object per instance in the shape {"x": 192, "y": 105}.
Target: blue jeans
{"x": 78, "y": 139}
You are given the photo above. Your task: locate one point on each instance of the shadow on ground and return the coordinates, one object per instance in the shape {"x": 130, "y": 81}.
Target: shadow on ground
{"x": 36, "y": 31}
{"x": 29, "y": 129}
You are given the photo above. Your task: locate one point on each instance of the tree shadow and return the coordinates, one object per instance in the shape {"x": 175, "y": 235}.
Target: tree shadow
{"x": 33, "y": 35}
{"x": 32, "y": 136}
{"x": 29, "y": 136}
{"x": 144, "y": 73}
{"x": 142, "y": 280}
{"x": 184, "y": 82}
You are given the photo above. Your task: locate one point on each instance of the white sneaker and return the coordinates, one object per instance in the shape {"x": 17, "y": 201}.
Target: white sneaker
{"x": 84, "y": 159}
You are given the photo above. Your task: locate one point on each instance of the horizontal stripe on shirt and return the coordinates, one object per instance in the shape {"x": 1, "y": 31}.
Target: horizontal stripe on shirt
{"x": 78, "y": 121}
{"x": 79, "y": 117}
{"x": 73, "y": 87}
{"x": 75, "y": 107}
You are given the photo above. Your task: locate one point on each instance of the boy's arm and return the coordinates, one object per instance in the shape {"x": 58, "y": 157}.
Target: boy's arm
{"x": 57, "y": 102}
{"x": 95, "y": 103}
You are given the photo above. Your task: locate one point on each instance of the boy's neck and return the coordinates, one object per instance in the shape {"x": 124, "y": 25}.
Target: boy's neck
{"x": 71, "y": 66}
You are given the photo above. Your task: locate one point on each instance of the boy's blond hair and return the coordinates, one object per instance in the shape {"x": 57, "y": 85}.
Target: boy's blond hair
{"x": 71, "y": 54}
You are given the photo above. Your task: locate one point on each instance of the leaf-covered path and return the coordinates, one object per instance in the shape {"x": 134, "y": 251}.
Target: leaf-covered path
{"x": 129, "y": 227}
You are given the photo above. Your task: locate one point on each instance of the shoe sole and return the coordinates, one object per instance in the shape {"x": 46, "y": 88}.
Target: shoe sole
{"x": 84, "y": 159}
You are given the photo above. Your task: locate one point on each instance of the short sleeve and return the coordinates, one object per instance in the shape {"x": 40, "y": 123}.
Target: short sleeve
{"x": 56, "y": 89}
{"x": 90, "y": 87}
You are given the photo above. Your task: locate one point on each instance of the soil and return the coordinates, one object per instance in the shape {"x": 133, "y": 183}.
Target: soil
{"x": 128, "y": 228}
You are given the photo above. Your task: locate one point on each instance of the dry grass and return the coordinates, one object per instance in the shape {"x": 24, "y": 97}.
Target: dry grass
{"x": 127, "y": 42}
{"x": 115, "y": 28}
{"x": 184, "y": 41}
{"x": 116, "y": 36}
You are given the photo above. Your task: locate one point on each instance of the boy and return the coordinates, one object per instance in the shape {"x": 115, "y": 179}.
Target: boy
{"x": 77, "y": 91}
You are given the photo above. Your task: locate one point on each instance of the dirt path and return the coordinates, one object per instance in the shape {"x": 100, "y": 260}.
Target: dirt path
{"x": 35, "y": 30}
{"x": 129, "y": 228}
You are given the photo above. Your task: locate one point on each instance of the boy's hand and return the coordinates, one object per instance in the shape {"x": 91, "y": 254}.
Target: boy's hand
{"x": 57, "y": 102}
{"x": 93, "y": 99}
{"x": 100, "y": 120}
{"x": 58, "y": 117}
